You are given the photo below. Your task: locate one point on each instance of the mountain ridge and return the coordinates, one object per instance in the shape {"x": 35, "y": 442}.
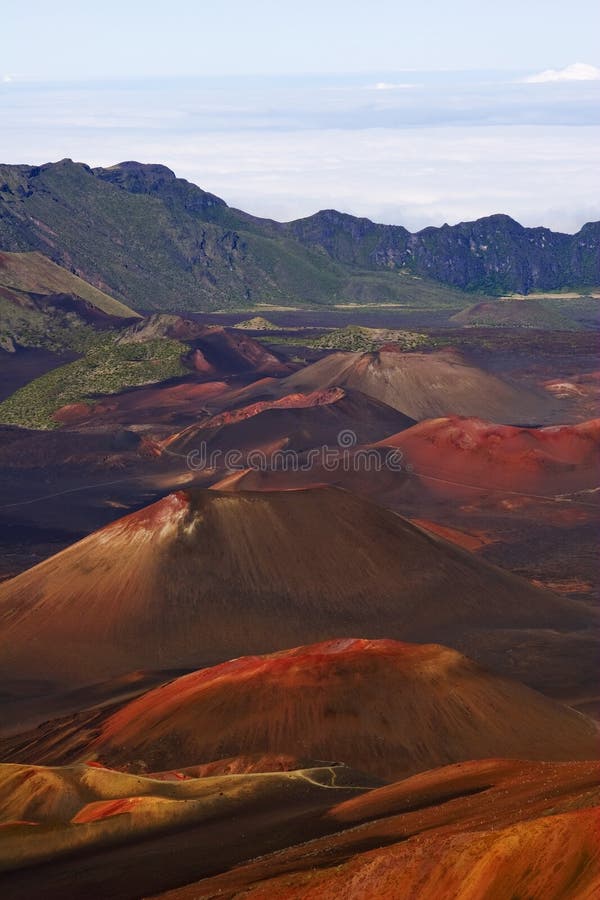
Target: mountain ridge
{"x": 138, "y": 232}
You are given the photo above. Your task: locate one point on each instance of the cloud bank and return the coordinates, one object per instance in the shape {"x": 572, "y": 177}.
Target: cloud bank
{"x": 461, "y": 146}
{"x": 574, "y": 72}
{"x": 391, "y": 86}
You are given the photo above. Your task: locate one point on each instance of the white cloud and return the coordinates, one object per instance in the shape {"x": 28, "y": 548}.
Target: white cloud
{"x": 389, "y": 86}
{"x": 574, "y": 72}
{"x": 6, "y": 79}
{"x": 248, "y": 147}
{"x": 412, "y": 177}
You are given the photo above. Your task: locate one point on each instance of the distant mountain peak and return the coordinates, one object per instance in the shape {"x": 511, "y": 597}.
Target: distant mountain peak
{"x": 156, "y": 179}
{"x": 131, "y": 165}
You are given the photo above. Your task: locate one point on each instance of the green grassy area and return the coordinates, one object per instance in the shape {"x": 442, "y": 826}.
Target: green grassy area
{"x": 398, "y": 288}
{"x": 154, "y": 254}
{"x": 106, "y": 368}
{"x": 31, "y": 328}
{"x": 257, "y": 323}
{"x": 159, "y": 243}
{"x": 359, "y": 338}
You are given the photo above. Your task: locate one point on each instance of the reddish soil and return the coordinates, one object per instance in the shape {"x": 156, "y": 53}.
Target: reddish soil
{"x": 153, "y": 589}
{"x": 459, "y": 457}
{"x": 377, "y": 706}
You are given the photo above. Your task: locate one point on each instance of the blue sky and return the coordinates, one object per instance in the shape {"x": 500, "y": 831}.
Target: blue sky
{"x": 78, "y": 39}
{"x": 405, "y": 113}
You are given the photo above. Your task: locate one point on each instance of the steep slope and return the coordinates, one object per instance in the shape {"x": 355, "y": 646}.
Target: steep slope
{"x": 553, "y": 857}
{"x": 214, "y": 348}
{"x": 156, "y": 254}
{"x": 28, "y": 275}
{"x": 295, "y": 422}
{"x": 494, "y": 254}
{"x": 45, "y": 305}
{"x": 232, "y": 351}
{"x": 425, "y": 385}
{"x": 204, "y": 576}
{"x": 384, "y": 707}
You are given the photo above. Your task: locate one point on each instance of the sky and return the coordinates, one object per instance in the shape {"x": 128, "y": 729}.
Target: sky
{"x": 71, "y": 38}
{"x": 416, "y": 114}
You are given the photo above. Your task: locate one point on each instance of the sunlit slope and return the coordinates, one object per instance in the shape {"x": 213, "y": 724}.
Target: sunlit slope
{"x": 204, "y": 576}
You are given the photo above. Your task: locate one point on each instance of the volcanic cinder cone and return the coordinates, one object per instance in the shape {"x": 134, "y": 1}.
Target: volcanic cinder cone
{"x": 204, "y": 576}
{"x": 464, "y": 456}
{"x": 294, "y": 422}
{"x": 384, "y": 707}
{"x": 425, "y": 385}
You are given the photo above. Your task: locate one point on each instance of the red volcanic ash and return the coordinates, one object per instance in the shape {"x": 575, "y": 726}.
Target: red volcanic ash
{"x": 154, "y": 403}
{"x": 214, "y": 348}
{"x": 554, "y": 856}
{"x": 466, "y": 539}
{"x": 197, "y": 361}
{"x": 290, "y": 401}
{"x": 73, "y": 413}
{"x": 460, "y": 456}
{"x": 495, "y": 828}
{"x": 378, "y": 706}
{"x": 233, "y": 351}
{"x": 295, "y": 421}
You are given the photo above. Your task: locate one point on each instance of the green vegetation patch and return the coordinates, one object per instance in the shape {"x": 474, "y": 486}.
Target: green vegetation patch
{"x": 360, "y": 338}
{"x": 106, "y": 368}
{"x": 257, "y": 323}
{"x": 32, "y": 328}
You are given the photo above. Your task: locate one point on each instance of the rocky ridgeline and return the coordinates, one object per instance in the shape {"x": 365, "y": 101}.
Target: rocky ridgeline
{"x": 141, "y": 234}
